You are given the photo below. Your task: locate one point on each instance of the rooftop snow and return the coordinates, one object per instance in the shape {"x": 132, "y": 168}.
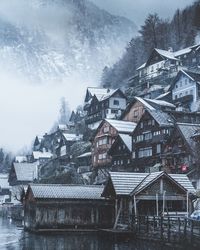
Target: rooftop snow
{"x": 38, "y": 154}
{"x": 122, "y": 126}
{"x": 162, "y": 118}
{"x": 99, "y": 92}
{"x": 85, "y": 155}
{"x": 72, "y": 137}
{"x": 127, "y": 139}
{"x": 26, "y": 171}
{"x": 4, "y": 181}
{"x": 160, "y": 103}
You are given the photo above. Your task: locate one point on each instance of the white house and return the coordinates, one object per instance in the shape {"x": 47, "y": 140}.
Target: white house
{"x": 186, "y": 91}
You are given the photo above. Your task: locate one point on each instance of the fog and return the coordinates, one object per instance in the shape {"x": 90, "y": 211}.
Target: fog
{"x": 137, "y": 10}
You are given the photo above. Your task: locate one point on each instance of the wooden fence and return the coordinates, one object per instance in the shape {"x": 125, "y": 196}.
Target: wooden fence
{"x": 176, "y": 230}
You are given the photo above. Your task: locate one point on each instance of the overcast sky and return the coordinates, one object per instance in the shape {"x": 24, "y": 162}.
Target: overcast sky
{"x": 137, "y": 10}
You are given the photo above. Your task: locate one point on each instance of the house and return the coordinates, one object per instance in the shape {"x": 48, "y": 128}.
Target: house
{"x": 180, "y": 154}
{"x": 102, "y": 104}
{"x": 5, "y": 194}
{"x": 136, "y": 108}
{"x": 163, "y": 65}
{"x": 103, "y": 139}
{"x": 20, "y": 175}
{"x": 121, "y": 153}
{"x": 151, "y": 194}
{"x": 41, "y": 157}
{"x": 149, "y": 138}
{"x": 185, "y": 90}
{"x": 54, "y": 206}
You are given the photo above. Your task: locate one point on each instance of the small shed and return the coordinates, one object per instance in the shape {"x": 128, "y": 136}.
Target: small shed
{"x": 156, "y": 194}
{"x": 55, "y": 206}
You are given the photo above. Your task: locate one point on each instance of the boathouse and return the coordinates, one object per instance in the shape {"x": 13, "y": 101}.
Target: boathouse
{"x": 153, "y": 194}
{"x": 59, "y": 207}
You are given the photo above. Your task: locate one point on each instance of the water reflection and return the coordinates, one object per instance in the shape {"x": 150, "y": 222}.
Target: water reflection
{"x": 13, "y": 237}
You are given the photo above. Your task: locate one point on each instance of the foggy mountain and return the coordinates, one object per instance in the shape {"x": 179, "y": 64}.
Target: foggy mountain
{"x": 48, "y": 40}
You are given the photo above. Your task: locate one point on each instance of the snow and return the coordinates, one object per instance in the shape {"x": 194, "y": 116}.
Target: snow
{"x": 38, "y": 154}
{"x": 127, "y": 139}
{"x": 122, "y": 126}
{"x": 147, "y": 105}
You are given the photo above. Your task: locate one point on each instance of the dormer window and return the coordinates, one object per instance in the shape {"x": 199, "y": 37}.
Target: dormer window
{"x": 116, "y": 102}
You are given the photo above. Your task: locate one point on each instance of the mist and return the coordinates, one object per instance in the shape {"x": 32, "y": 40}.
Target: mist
{"x": 44, "y": 56}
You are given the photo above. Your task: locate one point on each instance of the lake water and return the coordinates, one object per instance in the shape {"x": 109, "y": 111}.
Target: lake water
{"x": 13, "y": 237}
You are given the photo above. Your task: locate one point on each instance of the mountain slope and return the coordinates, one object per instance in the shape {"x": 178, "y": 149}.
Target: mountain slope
{"x": 48, "y": 40}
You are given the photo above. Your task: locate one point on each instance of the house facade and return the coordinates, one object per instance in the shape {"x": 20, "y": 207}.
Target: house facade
{"x": 154, "y": 194}
{"x": 186, "y": 90}
{"x": 54, "y": 206}
{"x": 104, "y": 137}
{"x": 121, "y": 153}
{"x": 104, "y": 103}
{"x": 149, "y": 138}
{"x": 163, "y": 65}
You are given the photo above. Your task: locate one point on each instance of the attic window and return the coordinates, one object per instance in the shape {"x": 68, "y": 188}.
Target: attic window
{"x": 116, "y": 102}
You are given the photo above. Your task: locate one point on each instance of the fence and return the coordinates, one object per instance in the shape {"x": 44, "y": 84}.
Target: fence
{"x": 178, "y": 230}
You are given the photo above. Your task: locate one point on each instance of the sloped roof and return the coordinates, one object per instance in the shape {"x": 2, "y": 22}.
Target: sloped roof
{"x": 188, "y": 130}
{"x": 38, "y": 154}
{"x": 194, "y": 75}
{"x": 160, "y": 103}
{"x": 166, "y": 54}
{"x": 20, "y": 158}
{"x": 162, "y": 118}
{"x": 99, "y": 92}
{"x": 126, "y": 183}
{"x": 127, "y": 139}
{"x": 60, "y": 191}
{"x": 144, "y": 102}
{"x": 72, "y": 137}
{"x": 87, "y": 154}
{"x": 122, "y": 126}
{"x": 26, "y": 171}
{"x": 162, "y": 95}
{"x": 4, "y": 184}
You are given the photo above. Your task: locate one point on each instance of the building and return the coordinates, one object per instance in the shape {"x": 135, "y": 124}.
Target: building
{"x": 54, "y": 206}
{"x": 180, "y": 154}
{"x": 153, "y": 194}
{"x": 163, "y": 65}
{"x": 121, "y": 153}
{"x": 5, "y": 194}
{"x": 20, "y": 175}
{"x": 185, "y": 90}
{"x": 103, "y": 103}
{"x": 136, "y": 108}
{"x": 149, "y": 139}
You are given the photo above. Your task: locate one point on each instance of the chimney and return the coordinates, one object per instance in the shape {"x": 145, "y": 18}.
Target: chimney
{"x": 170, "y": 49}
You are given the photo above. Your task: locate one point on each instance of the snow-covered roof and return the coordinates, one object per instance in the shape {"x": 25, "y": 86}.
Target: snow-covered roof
{"x": 62, "y": 127}
{"x": 160, "y": 103}
{"x": 146, "y": 104}
{"x": 26, "y": 171}
{"x": 162, "y": 95}
{"x": 122, "y": 126}
{"x": 60, "y": 191}
{"x": 4, "y": 184}
{"x": 162, "y": 118}
{"x": 142, "y": 66}
{"x": 20, "y": 158}
{"x": 167, "y": 54}
{"x": 38, "y": 154}
{"x": 85, "y": 155}
{"x": 99, "y": 92}
{"x": 188, "y": 130}
{"x": 127, "y": 139}
{"x": 72, "y": 137}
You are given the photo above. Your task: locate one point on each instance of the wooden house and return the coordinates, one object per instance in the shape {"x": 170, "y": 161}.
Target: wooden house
{"x": 54, "y": 206}
{"x": 102, "y": 104}
{"x": 104, "y": 137}
{"x": 154, "y": 194}
{"x": 5, "y": 194}
{"x": 121, "y": 153}
{"x": 149, "y": 138}
{"x": 136, "y": 108}
{"x": 180, "y": 152}
{"x": 185, "y": 90}
{"x": 163, "y": 65}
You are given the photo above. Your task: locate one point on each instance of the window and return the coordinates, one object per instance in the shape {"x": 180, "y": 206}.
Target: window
{"x": 156, "y": 133}
{"x": 140, "y": 138}
{"x": 158, "y": 148}
{"x": 176, "y": 85}
{"x": 116, "y": 102}
{"x": 191, "y": 92}
{"x": 175, "y": 96}
{"x": 141, "y": 125}
{"x": 135, "y": 113}
{"x": 145, "y": 152}
{"x": 186, "y": 81}
{"x": 103, "y": 141}
{"x": 114, "y": 111}
{"x": 147, "y": 136}
{"x": 153, "y": 122}
{"x": 133, "y": 155}
{"x": 106, "y": 129}
{"x": 186, "y": 92}
{"x": 102, "y": 156}
{"x": 180, "y": 95}
{"x": 128, "y": 161}
{"x": 149, "y": 122}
